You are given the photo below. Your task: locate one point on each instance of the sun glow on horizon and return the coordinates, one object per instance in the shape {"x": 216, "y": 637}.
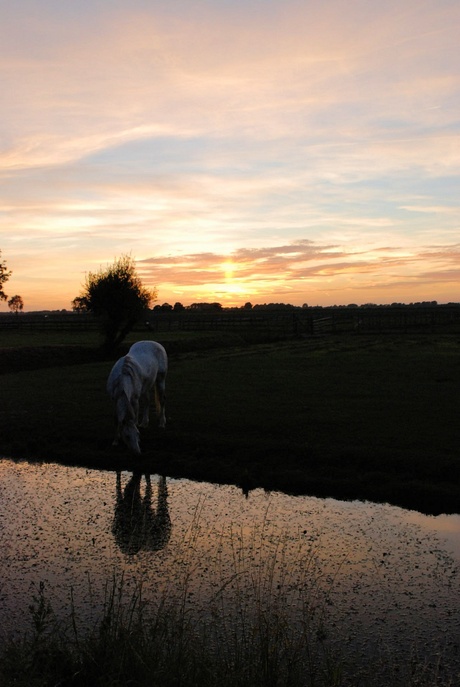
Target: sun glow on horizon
{"x": 229, "y": 269}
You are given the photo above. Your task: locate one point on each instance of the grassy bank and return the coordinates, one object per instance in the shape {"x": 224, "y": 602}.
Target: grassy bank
{"x": 351, "y": 416}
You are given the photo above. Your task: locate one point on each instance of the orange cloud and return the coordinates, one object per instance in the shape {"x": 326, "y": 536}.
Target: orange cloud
{"x": 299, "y": 270}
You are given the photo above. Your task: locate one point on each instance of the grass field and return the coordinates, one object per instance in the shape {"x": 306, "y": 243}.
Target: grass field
{"x": 372, "y": 417}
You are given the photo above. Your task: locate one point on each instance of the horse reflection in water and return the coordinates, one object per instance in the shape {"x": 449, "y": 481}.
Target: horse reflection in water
{"x": 137, "y": 525}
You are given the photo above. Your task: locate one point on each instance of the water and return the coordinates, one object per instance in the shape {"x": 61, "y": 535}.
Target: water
{"x": 381, "y": 576}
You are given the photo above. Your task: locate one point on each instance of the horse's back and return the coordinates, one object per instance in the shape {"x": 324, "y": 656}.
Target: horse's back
{"x": 150, "y": 354}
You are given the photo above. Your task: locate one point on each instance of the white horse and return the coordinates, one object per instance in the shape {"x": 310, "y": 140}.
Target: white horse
{"x": 130, "y": 384}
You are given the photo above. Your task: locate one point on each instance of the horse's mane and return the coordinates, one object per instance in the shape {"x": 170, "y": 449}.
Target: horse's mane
{"x": 130, "y": 368}
{"x": 124, "y": 386}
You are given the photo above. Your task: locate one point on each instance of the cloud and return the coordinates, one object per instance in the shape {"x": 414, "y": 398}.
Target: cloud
{"x": 201, "y": 130}
{"x": 299, "y": 267}
{"x": 133, "y": 74}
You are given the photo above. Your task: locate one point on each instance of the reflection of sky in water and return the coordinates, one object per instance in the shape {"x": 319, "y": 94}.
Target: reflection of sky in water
{"x": 380, "y": 572}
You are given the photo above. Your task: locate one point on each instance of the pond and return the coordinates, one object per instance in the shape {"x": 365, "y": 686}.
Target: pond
{"x": 379, "y": 577}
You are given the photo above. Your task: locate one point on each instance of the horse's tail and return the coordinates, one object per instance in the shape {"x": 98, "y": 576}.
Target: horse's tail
{"x": 162, "y": 358}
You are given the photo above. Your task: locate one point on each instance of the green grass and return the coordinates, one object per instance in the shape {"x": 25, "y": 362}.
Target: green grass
{"x": 354, "y": 417}
{"x": 27, "y": 338}
{"x": 20, "y": 338}
{"x": 371, "y": 418}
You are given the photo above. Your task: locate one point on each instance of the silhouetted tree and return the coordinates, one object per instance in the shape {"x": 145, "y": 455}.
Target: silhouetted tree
{"x": 117, "y": 297}
{"x": 79, "y": 304}
{"x": 166, "y": 307}
{"x": 16, "y": 304}
{"x": 5, "y": 274}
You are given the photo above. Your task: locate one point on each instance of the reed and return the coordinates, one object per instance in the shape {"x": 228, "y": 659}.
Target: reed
{"x": 244, "y": 637}
{"x": 265, "y": 625}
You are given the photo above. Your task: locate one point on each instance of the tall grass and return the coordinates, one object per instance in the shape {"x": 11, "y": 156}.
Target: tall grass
{"x": 244, "y": 633}
{"x": 262, "y": 627}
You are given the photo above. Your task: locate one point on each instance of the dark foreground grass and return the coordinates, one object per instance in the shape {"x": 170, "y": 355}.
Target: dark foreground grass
{"x": 166, "y": 644}
{"x": 351, "y": 417}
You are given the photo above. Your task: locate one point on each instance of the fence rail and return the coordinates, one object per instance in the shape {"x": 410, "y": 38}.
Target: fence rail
{"x": 270, "y": 323}
{"x": 43, "y": 322}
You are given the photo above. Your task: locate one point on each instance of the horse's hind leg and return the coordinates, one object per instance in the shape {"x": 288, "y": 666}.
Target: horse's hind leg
{"x": 160, "y": 397}
{"x": 144, "y": 403}
{"x": 116, "y": 438}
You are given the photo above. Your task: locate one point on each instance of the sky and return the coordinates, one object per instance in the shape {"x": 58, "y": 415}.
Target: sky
{"x": 263, "y": 151}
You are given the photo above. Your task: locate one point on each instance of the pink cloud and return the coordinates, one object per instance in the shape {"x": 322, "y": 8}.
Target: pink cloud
{"x": 300, "y": 267}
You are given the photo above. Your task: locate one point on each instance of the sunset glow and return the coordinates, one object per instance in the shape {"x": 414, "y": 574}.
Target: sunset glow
{"x": 276, "y": 151}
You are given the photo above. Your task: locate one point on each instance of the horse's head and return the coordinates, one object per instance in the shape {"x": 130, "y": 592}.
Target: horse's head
{"x": 130, "y": 435}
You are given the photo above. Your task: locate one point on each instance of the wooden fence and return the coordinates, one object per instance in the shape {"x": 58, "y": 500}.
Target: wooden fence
{"x": 263, "y": 323}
